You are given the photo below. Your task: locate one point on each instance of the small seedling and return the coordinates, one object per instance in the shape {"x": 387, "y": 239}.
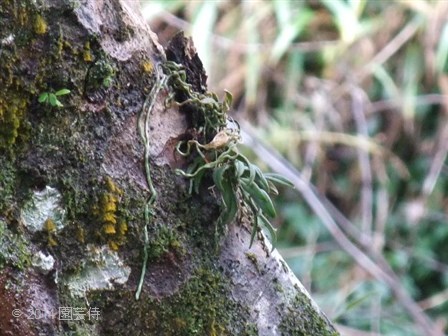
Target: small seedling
{"x": 51, "y": 98}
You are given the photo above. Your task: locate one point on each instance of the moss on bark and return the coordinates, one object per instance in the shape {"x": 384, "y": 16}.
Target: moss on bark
{"x": 302, "y": 319}
{"x": 90, "y": 152}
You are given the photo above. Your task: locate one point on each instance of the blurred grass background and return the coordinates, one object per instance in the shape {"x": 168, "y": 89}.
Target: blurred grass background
{"x": 354, "y": 94}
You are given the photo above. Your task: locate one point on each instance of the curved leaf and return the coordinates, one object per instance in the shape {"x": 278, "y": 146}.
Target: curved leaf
{"x": 230, "y": 203}
{"x": 62, "y": 92}
{"x": 253, "y": 207}
{"x": 218, "y": 175}
{"x": 272, "y": 231}
{"x": 260, "y": 178}
{"x": 260, "y": 197}
{"x": 277, "y": 178}
{"x": 240, "y": 168}
{"x": 272, "y": 188}
{"x": 249, "y": 166}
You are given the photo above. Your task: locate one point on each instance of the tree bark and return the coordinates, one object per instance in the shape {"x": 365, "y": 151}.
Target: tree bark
{"x": 73, "y": 192}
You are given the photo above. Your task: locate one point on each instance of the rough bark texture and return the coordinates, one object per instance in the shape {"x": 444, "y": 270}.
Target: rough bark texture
{"x": 73, "y": 190}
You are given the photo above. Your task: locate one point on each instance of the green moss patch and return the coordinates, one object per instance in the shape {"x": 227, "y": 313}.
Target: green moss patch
{"x": 303, "y": 320}
{"x": 164, "y": 239}
{"x": 202, "y": 307}
{"x": 13, "y": 249}
{"x": 12, "y": 109}
{"x": 7, "y": 186}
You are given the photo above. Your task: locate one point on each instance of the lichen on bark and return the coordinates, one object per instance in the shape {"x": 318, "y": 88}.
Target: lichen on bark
{"x": 89, "y": 151}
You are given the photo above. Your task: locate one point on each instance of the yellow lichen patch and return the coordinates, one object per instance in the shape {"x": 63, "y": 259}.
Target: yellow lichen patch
{"x": 111, "y": 186}
{"x": 40, "y": 26}
{"x": 60, "y": 43}
{"x": 107, "y": 213}
{"x": 11, "y": 113}
{"x": 113, "y": 245}
{"x": 119, "y": 237}
{"x": 87, "y": 54}
{"x": 122, "y": 228}
{"x": 216, "y": 330}
{"x": 22, "y": 15}
{"x": 179, "y": 324}
{"x": 147, "y": 66}
{"x": 52, "y": 241}
{"x": 175, "y": 245}
{"x": 80, "y": 234}
{"x": 110, "y": 204}
{"x": 109, "y": 217}
{"x": 50, "y": 228}
{"x": 109, "y": 228}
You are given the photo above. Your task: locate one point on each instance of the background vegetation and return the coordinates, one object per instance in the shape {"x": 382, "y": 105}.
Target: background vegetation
{"x": 354, "y": 94}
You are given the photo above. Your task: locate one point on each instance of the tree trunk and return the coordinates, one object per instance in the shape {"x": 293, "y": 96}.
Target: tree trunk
{"x": 80, "y": 165}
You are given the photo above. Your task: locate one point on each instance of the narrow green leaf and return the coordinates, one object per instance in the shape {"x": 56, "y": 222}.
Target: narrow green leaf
{"x": 62, "y": 92}
{"x": 260, "y": 179}
{"x": 249, "y": 166}
{"x": 58, "y": 103}
{"x": 202, "y": 27}
{"x": 272, "y": 231}
{"x": 230, "y": 203}
{"x": 228, "y": 98}
{"x": 288, "y": 33}
{"x": 442, "y": 50}
{"x": 197, "y": 181}
{"x": 254, "y": 231}
{"x": 346, "y": 19}
{"x": 191, "y": 187}
{"x": 255, "y": 212}
{"x": 198, "y": 162}
{"x": 218, "y": 175}
{"x": 412, "y": 76}
{"x": 260, "y": 197}
{"x": 272, "y": 188}
{"x": 253, "y": 63}
{"x": 276, "y": 178}
{"x": 214, "y": 97}
{"x": 240, "y": 168}
{"x": 252, "y": 173}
